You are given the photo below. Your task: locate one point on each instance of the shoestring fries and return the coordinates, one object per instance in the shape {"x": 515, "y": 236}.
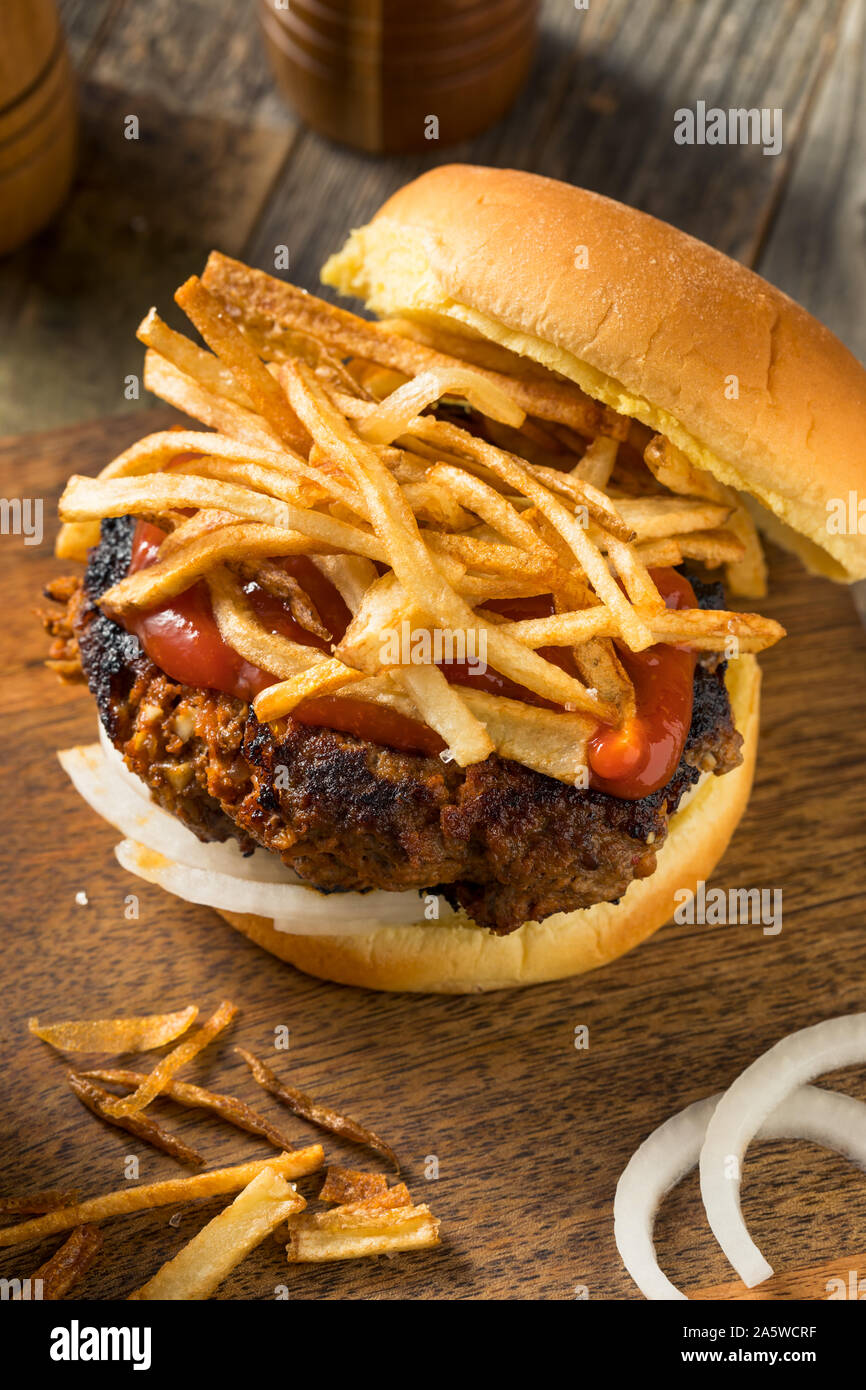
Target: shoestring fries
{"x": 431, "y": 477}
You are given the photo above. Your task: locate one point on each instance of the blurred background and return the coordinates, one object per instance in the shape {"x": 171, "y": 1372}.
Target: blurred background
{"x": 186, "y": 141}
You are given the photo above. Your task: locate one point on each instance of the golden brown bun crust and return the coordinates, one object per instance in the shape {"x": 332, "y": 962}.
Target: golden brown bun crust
{"x": 449, "y": 959}
{"x": 657, "y": 324}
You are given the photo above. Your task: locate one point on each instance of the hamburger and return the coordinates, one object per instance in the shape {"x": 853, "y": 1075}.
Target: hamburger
{"x": 416, "y": 663}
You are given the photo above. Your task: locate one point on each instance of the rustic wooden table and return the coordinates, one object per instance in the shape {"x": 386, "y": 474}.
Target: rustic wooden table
{"x": 530, "y": 1133}
{"x": 220, "y": 161}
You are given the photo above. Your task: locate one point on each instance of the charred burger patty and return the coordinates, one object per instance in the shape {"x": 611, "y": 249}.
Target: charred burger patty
{"x": 506, "y": 843}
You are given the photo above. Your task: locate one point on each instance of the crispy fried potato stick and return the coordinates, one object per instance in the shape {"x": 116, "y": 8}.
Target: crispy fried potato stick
{"x": 276, "y": 306}
{"x": 601, "y": 668}
{"x": 115, "y": 1034}
{"x": 389, "y": 419}
{"x": 193, "y": 361}
{"x": 308, "y": 1109}
{"x": 322, "y": 679}
{"x": 202, "y": 1265}
{"x": 228, "y": 341}
{"x": 158, "y": 451}
{"x": 638, "y": 582}
{"x": 142, "y": 1126}
{"x": 244, "y": 633}
{"x": 84, "y": 498}
{"x": 35, "y": 1203}
{"x": 68, "y": 1264}
{"x": 656, "y": 517}
{"x": 185, "y": 529}
{"x": 597, "y": 462}
{"x": 747, "y": 573}
{"x": 392, "y": 518}
{"x": 172, "y": 1062}
{"x": 275, "y": 580}
{"x": 350, "y": 1232}
{"x": 235, "y": 1112}
{"x": 507, "y": 467}
{"x": 712, "y": 547}
{"x": 444, "y": 709}
{"x": 661, "y": 553}
{"x": 351, "y": 576}
{"x": 497, "y": 511}
{"x": 185, "y": 563}
{"x": 298, "y": 491}
{"x": 549, "y": 741}
{"x": 432, "y": 503}
{"x": 161, "y": 1194}
{"x": 343, "y": 1185}
{"x": 479, "y": 351}
{"x": 704, "y": 629}
{"x": 168, "y": 382}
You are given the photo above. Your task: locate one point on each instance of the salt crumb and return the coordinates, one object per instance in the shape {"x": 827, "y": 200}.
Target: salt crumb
{"x": 81, "y": 898}
{"x": 175, "y": 1220}
{"x": 446, "y": 755}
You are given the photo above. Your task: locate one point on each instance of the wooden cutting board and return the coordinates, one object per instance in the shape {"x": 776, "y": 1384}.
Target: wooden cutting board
{"x": 529, "y": 1133}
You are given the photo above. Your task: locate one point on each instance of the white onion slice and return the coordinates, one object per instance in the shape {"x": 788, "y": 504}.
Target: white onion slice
{"x": 159, "y": 848}
{"x": 124, "y": 801}
{"x": 828, "y": 1118}
{"x": 295, "y": 908}
{"x": 662, "y": 1160}
{"x": 838, "y": 1042}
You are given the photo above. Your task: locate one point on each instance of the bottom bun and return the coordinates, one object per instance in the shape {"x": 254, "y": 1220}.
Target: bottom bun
{"x": 461, "y": 958}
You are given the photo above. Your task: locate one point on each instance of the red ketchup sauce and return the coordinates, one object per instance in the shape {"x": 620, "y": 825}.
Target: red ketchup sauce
{"x": 643, "y": 755}
{"x": 181, "y": 637}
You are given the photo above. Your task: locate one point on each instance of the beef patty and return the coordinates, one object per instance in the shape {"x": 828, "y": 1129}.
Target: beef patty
{"x": 498, "y": 839}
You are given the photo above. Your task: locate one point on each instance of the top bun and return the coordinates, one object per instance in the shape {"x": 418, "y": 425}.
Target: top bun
{"x": 648, "y": 320}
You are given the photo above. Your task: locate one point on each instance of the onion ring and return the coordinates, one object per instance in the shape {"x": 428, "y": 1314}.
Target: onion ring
{"x": 829, "y": 1118}
{"x": 837, "y": 1042}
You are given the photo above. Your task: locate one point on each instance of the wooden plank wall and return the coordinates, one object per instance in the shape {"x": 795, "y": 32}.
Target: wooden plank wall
{"x": 220, "y": 160}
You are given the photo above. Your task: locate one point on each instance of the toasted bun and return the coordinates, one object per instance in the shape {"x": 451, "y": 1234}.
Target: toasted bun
{"x": 655, "y": 324}
{"x": 465, "y": 959}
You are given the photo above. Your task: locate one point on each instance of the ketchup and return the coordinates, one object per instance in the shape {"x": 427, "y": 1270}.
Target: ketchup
{"x": 181, "y": 637}
{"x": 516, "y": 609}
{"x": 643, "y": 755}
{"x": 374, "y": 722}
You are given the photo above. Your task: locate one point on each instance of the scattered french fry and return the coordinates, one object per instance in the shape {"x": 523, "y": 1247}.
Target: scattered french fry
{"x": 350, "y": 1185}
{"x": 160, "y": 1194}
{"x": 235, "y": 1112}
{"x": 166, "y": 1068}
{"x": 337, "y": 439}
{"x": 353, "y": 1232}
{"x": 203, "y": 1264}
{"x": 35, "y": 1203}
{"x": 68, "y": 1264}
{"x": 142, "y": 1126}
{"x": 301, "y": 1104}
{"x": 115, "y": 1035}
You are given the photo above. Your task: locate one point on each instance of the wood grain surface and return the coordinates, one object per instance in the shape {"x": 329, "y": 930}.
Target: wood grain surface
{"x": 223, "y": 161}
{"x": 530, "y": 1133}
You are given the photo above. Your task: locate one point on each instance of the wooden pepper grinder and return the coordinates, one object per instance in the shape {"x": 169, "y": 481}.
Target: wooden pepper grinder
{"x": 390, "y": 76}
{"x": 38, "y": 119}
